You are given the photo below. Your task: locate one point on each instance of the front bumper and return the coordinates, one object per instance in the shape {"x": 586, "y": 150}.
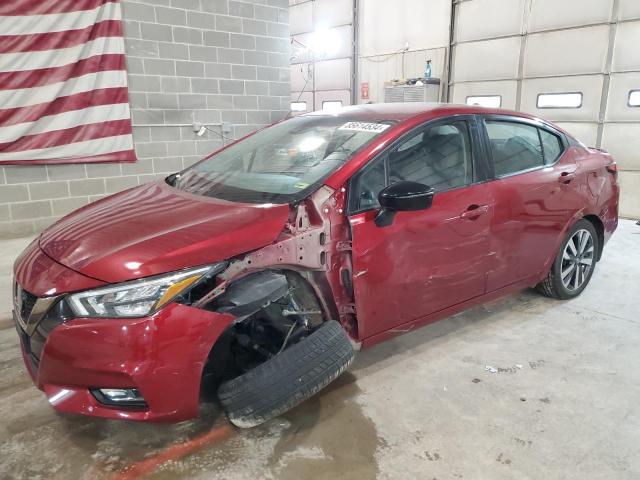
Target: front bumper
{"x": 162, "y": 356}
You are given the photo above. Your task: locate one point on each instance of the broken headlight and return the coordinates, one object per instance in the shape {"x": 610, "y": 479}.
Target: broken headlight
{"x": 138, "y": 298}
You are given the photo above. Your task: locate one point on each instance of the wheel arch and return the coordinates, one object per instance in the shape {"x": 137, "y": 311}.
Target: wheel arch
{"x": 219, "y": 356}
{"x": 599, "y": 227}
{"x": 579, "y": 215}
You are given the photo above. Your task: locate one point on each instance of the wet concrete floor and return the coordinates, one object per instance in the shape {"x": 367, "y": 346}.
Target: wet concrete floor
{"x": 562, "y": 404}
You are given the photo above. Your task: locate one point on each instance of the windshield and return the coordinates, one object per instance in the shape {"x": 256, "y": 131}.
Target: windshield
{"x": 280, "y": 164}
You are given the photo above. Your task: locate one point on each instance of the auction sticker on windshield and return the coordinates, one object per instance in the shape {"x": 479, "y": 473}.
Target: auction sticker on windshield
{"x": 364, "y": 127}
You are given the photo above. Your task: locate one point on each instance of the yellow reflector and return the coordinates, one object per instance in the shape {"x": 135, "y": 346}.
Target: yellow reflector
{"x": 175, "y": 289}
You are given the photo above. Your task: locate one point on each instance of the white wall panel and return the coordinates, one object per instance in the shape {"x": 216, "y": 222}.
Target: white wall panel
{"x": 322, "y": 34}
{"x": 628, "y": 9}
{"x": 482, "y": 19}
{"x": 626, "y": 54}
{"x": 587, "y": 133}
{"x": 617, "y": 104}
{"x": 298, "y": 75}
{"x": 299, "y": 48}
{"x": 333, "y": 74}
{"x": 386, "y": 26}
{"x": 487, "y": 60}
{"x": 380, "y": 69}
{"x": 549, "y": 14}
{"x": 507, "y": 89}
{"x": 301, "y": 18}
{"x": 332, "y": 13}
{"x": 414, "y": 63}
{"x": 566, "y": 52}
{"x": 590, "y": 86}
{"x": 629, "y": 194}
{"x": 622, "y": 140}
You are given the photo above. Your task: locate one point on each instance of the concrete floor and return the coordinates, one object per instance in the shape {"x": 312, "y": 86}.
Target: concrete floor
{"x": 562, "y": 405}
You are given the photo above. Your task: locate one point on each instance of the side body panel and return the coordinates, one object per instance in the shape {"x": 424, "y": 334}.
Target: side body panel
{"x": 532, "y": 212}
{"x": 423, "y": 262}
{"x": 603, "y": 186}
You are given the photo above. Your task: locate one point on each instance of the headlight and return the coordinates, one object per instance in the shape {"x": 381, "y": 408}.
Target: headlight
{"x": 139, "y": 297}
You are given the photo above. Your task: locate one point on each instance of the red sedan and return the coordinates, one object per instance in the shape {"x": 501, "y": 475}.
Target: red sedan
{"x": 259, "y": 271}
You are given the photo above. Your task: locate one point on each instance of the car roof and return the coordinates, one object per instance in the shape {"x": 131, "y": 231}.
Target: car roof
{"x": 404, "y": 111}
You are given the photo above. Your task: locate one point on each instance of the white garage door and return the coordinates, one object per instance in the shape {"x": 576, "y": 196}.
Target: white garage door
{"x": 575, "y": 62}
{"x": 322, "y": 54}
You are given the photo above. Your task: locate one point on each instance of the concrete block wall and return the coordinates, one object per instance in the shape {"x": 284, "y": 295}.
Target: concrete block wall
{"x": 207, "y": 61}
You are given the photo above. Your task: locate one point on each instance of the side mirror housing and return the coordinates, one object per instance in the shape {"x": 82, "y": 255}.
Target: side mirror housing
{"x": 402, "y": 197}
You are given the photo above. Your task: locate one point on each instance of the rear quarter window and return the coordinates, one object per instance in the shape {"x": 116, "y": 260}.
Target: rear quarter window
{"x": 551, "y": 145}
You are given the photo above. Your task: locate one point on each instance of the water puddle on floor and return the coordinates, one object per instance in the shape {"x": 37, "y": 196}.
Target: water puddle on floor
{"x": 326, "y": 436}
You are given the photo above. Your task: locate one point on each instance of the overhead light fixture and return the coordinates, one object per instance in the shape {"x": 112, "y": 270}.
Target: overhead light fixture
{"x": 325, "y": 41}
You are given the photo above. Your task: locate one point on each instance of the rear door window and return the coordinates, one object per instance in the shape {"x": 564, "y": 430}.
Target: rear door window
{"x": 515, "y": 147}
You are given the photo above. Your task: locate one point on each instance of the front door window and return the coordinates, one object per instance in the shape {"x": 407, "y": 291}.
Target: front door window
{"x": 438, "y": 156}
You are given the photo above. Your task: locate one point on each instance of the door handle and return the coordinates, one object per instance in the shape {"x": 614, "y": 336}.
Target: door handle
{"x": 566, "y": 177}
{"x": 474, "y": 211}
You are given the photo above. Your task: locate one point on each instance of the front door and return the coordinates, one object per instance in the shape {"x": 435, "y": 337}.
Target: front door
{"x": 426, "y": 260}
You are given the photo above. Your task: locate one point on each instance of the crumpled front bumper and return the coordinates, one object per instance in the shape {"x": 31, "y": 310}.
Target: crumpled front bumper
{"x": 162, "y": 355}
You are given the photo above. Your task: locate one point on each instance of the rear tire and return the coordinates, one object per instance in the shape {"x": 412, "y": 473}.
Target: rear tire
{"x": 574, "y": 265}
{"x": 289, "y": 378}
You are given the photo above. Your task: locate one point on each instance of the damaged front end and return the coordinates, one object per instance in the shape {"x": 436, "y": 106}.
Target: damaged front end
{"x": 281, "y": 293}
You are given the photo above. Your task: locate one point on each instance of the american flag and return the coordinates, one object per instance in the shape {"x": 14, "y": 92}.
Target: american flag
{"x": 63, "y": 83}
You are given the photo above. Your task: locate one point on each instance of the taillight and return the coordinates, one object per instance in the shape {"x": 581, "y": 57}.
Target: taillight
{"x": 612, "y": 168}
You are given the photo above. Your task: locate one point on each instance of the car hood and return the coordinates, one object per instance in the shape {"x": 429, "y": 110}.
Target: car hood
{"x": 154, "y": 229}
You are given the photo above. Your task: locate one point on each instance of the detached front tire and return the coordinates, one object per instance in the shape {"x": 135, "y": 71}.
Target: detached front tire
{"x": 289, "y": 378}
{"x": 574, "y": 264}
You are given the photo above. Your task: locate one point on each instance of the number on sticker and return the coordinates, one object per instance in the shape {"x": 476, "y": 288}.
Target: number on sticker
{"x": 364, "y": 127}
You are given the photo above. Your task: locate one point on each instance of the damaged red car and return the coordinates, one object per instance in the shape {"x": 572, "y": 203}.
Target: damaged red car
{"x": 258, "y": 272}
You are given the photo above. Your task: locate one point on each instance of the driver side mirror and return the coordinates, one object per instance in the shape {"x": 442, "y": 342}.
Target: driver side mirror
{"x": 402, "y": 197}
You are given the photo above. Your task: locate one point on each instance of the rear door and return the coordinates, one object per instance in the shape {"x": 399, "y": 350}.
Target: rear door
{"x": 426, "y": 260}
{"x": 535, "y": 196}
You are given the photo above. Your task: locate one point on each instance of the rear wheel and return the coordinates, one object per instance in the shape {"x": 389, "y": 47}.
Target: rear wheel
{"x": 574, "y": 265}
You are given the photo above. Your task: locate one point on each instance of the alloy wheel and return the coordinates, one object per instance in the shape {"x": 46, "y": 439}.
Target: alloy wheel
{"x": 577, "y": 260}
